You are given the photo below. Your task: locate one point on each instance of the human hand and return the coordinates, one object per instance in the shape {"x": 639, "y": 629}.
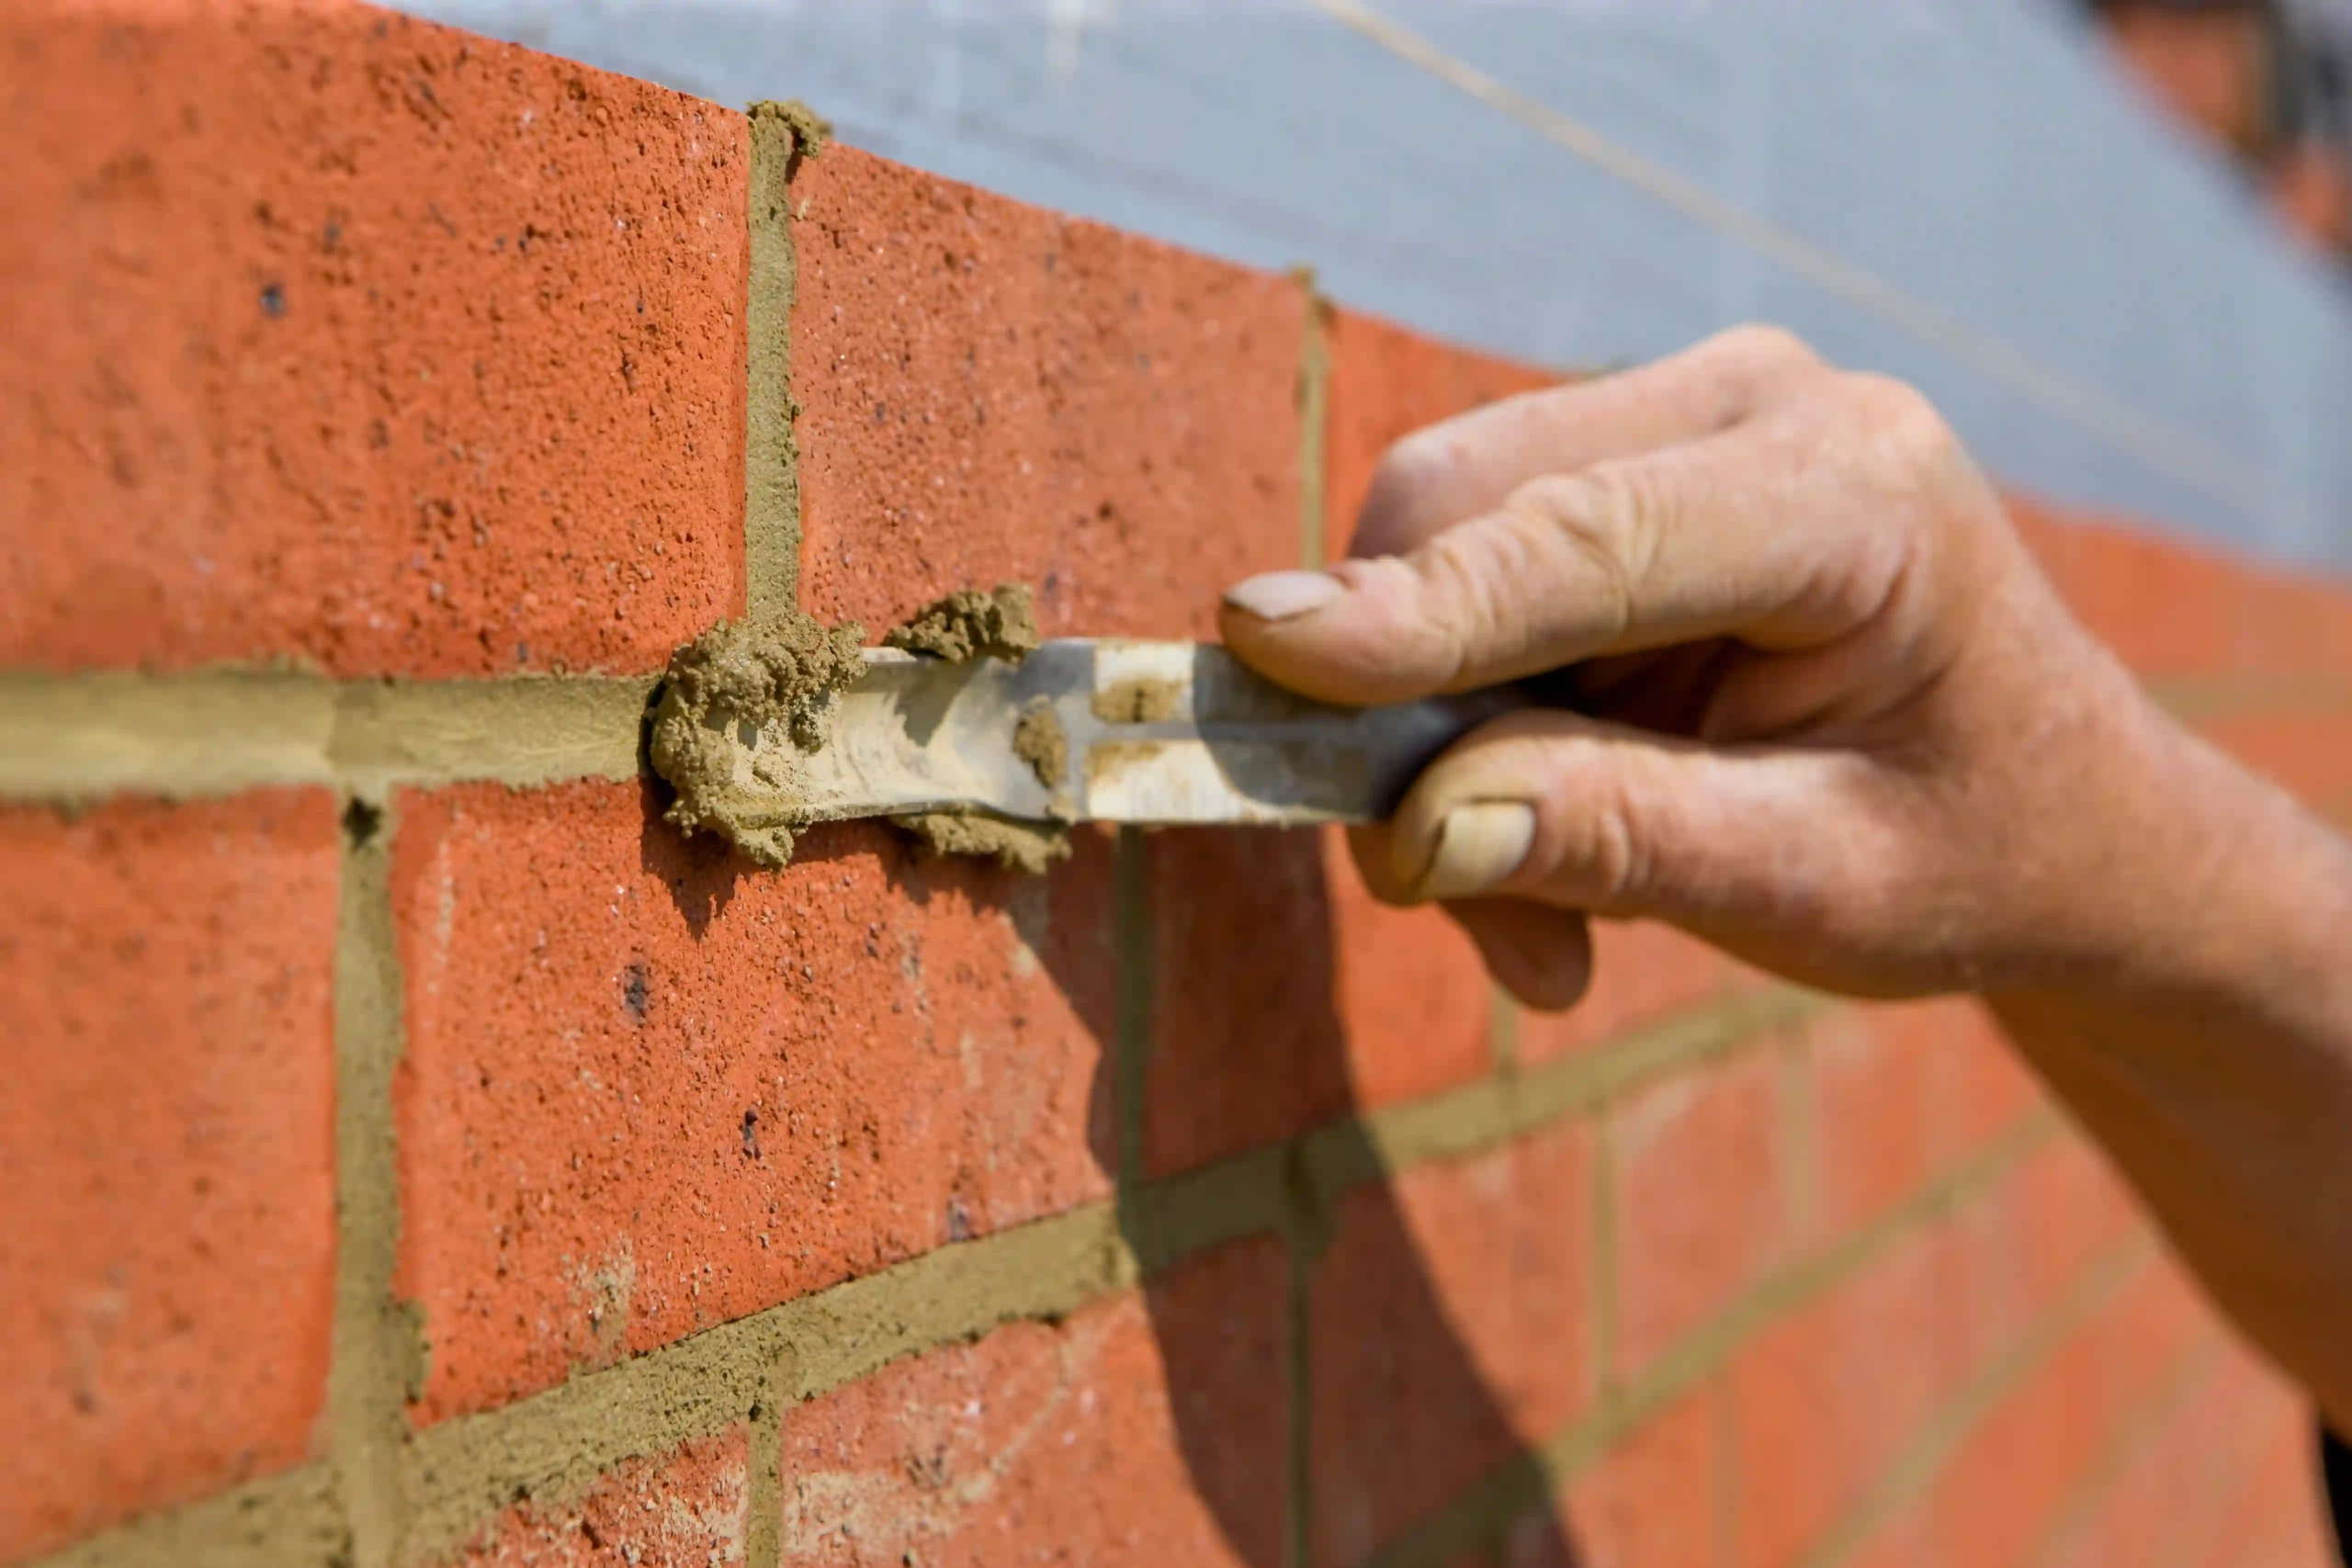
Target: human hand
{"x": 1831, "y": 715}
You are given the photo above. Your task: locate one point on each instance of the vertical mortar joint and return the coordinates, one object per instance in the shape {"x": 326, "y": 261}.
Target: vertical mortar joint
{"x": 379, "y": 1353}
{"x": 783, "y": 137}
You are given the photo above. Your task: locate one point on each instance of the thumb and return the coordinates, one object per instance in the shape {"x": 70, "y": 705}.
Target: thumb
{"x": 1768, "y": 843}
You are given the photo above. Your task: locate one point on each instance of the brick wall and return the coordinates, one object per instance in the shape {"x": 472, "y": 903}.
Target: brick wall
{"x": 416, "y": 1153}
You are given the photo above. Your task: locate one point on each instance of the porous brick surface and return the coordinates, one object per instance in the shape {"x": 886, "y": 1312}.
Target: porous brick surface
{"x": 345, "y": 338}
{"x": 689, "y": 1508}
{"x": 1450, "y": 1328}
{"x": 166, "y": 1146}
{"x": 1702, "y": 1189}
{"x": 648, "y": 1089}
{"x": 1387, "y": 382}
{"x": 990, "y": 391}
{"x": 1148, "y": 1429}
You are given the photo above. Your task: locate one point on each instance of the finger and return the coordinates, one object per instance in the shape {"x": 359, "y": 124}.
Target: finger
{"x": 1584, "y": 815}
{"x": 1764, "y": 532}
{"x": 1470, "y": 463}
{"x": 1541, "y": 955}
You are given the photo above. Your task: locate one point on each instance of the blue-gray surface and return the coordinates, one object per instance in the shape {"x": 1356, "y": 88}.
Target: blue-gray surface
{"x": 1979, "y": 156}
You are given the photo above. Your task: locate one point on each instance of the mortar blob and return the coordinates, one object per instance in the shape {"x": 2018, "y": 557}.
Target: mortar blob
{"x": 720, "y": 691}
{"x": 1040, "y": 741}
{"x": 1030, "y": 848}
{"x": 968, "y": 625}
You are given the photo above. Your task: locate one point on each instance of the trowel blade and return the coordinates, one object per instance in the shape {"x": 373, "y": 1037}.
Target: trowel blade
{"x": 1150, "y": 732}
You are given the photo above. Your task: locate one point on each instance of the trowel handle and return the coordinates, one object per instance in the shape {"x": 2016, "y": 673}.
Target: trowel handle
{"x": 1228, "y": 746}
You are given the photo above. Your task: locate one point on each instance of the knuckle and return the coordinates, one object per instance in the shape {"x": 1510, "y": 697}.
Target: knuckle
{"x": 1902, "y": 419}
{"x": 1413, "y": 471}
{"x": 1766, "y": 347}
{"x": 1607, "y": 516}
{"x": 1607, "y": 864}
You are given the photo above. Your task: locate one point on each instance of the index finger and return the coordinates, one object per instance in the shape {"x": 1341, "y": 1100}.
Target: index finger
{"x": 1470, "y": 463}
{"x": 1789, "y": 531}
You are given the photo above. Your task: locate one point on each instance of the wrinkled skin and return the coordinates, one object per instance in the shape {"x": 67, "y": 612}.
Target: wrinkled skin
{"x": 1830, "y": 716}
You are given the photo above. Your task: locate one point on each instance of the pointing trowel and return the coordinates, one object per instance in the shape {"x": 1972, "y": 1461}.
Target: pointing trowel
{"x": 1079, "y": 729}
{"x": 1084, "y": 730}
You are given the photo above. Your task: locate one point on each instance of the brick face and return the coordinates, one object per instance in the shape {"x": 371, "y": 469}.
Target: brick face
{"x": 1704, "y": 1199}
{"x": 1652, "y": 1502}
{"x": 1822, "y": 1399}
{"x": 1449, "y": 1330}
{"x": 1245, "y": 1047}
{"x": 685, "y": 1509}
{"x": 166, "y": 1148}
{"x": 1148, "y": 1429}
{"x": 1643, "y": 973}
{"x": 345, "y": 338}
{"x": 2171, "y": 609}
{"x": 990, "y": 391}
{"x": 1386, "y": 382}
{"x": 648, "y": 1089}
{"x": 1414, "y": 1002}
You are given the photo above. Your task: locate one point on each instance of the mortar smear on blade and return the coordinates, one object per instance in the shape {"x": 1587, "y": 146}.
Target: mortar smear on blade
{"x": 741, "y": 678}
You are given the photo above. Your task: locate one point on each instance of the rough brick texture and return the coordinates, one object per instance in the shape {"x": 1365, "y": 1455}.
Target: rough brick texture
{"x": 1449, "y": 1326}
{"x": 375, "y": 344}
{"x": 1386, "y": 382}
{"x": 685, "y": 1509}
{"x": 649, "y": 1089}
{"x": 1148, "y": 1429}
{"x": 991, "y": 392}
{"x": 341, "y": 338}
{"x": 1703, "y": 1191}
{"x": 166, "y": 1147}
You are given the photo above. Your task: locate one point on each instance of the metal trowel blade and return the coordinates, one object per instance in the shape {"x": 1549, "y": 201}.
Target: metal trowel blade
{"x": 1151, "y": 732}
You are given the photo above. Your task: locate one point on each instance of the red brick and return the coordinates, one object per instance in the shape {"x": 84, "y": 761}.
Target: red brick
{"x": 1148, "y": 1429}
{"x": 1413, "y": 999}
{"x": 1875, "y": 1113}
{"x": 2162, "y": 1488}
{"x": 1652, "y": 1501}
{"x": 1285, "y": 997}
{"x": 1386, "y": 382}
{"x": 343, "y": 338}
{"x": 2283, "y": 1520}
{"x": 1981, "y": 1088}
{"x": 2174, "y": 609}
{"x": 1901, "y": 1095}
{"x": 2164, "y": 608}
{"x": 685, "y": 1509}
{"x": 2003, "y": 1491}
{"x": 166, "y": 1145}
{"x": 2152, "y": 1331}
{"x": 2308, "y": 754}
{"x": 1702, "y": 1200}
{"x": 992, "y": 391}
{"x": 2011, "y": 1491}
{"x": 1823, "y": 1399}
{"x": 1247, "y": 1042}
{"x": 1449, "y": 1330}
{"x": 649, "y": 1088}
{"x": 1642, "y": 974}
{"x": 2064, "y": 1209}
{"x": 2208, "y": 67}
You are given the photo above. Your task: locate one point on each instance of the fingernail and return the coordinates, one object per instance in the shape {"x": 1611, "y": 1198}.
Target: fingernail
{"x": 1283, "y": 595}
{"x": 1478, "y": 846}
